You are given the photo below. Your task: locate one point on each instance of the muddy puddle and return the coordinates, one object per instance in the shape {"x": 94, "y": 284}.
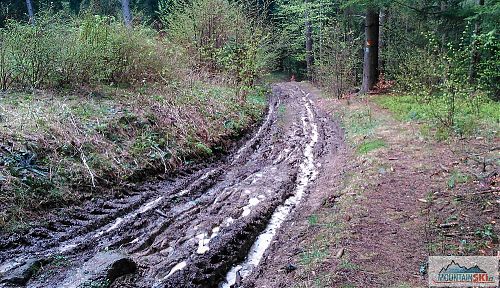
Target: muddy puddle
{"x": 208, "y": 228}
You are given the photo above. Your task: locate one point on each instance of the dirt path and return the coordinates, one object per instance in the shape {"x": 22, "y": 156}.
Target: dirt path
{"x": 211, "y": 227}
{"x": 380, "y": 207}
{"x": 299, "y": 204}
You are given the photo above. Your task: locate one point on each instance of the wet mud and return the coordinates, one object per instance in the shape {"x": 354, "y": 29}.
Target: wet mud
{"x": 208, "y": 228}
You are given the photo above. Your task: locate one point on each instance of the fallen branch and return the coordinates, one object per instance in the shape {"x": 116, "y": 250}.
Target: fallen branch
{"x": 448, "y": 225}
{"x": 486, "y": 191}
{"x": 161, "y": 213}
{"x": 84, "y": 160}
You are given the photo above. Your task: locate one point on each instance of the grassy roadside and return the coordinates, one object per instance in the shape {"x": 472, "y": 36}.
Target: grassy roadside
{"x": 470, "y": 119}
{"x": 60, "y": 148}
{"x": 407, "y": 194}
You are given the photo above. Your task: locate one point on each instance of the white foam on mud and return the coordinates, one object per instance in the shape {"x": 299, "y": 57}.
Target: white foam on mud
{"x": 215, "y": 231}
{"x": 178, "y": 267}
{"x": 203, "y": 177}
{"x": 248, "y": 208}
{"x": 68, "y": 247}
{"x": 228, "y": 221}
{"x": 307, "y": 173}
{"x": 281, "y": 156}
{"x": 144, "y": 208}
{"x": 202, "y": 243}
{"x": 204, "y": 240}
{"x": 150, "y": 205}
{"x": 256, "y": 177}
{"x": 115, "y": 225}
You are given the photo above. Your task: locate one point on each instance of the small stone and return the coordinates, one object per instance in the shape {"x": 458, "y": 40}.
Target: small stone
{"x": 108, "y": 264}
{"x": 22, "y": 274}
{"x": 340, "y": 253}
{"x": 290, "y": 267}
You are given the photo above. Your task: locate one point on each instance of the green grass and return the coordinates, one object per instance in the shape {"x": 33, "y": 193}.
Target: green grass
{"x": 315, "y": 254}
{"x": 313, "y": 219}
{"x": 346, "y": 264}
{"x": 472, "y": 116}
{"x": 59, "y": 142}
{"x": 360, "y": 122}
{"x": 370, "y": 145}
{"x": 457, "y": 178}
{"x": 404, "y": 107}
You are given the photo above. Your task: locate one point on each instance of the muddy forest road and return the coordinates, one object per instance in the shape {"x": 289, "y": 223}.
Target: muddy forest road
{"x": 208, "y": 228}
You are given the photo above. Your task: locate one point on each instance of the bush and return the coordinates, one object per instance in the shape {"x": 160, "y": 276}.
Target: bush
{"x": 439, "y": 76}
{"x": 336, "y": 68}
{"x": 31, "y": 52}
{"x": 60, "y": 51}
{"x": 221, "y": 37}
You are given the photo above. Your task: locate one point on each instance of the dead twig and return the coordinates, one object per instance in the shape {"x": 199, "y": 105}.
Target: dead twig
{"x": 161, "y": 213}
{"x": 84, "y": 160}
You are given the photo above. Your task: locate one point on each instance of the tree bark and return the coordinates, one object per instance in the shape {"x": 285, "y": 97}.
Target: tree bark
{"x": 475, "y": 57}
{"x": 381, "y": 40}
{"x": 370, "y": 61}
{"x": 31, "y": 14}
{"x": 309, "y": 45}
{"x": 127, "y": 16}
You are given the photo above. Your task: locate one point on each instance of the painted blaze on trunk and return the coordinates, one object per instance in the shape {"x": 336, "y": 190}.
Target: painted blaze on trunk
{"x": 370, "y": 62}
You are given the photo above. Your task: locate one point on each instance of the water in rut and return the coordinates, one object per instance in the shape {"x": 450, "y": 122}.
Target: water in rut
{"x": 209, "y": 228}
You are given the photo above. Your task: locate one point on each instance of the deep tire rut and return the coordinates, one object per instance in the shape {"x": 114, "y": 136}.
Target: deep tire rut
{"x": 209, "y": 228}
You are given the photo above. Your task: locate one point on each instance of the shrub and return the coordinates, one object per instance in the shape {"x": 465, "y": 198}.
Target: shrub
{"x": 221, "y": 37}
{"x": 94, "y": 49}
{"x": 31, "y": 52}
{"x": 336, "y": 67}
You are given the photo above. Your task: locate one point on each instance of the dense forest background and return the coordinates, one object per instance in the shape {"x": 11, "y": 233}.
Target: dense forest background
{"x": 421, "y": 45}
{"x": 96, "y": 93}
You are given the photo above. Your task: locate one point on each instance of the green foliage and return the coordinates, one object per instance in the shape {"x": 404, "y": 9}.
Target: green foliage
{"x": 60, "y": 52}
{"x": 29, "y": 53}
{"x": 456, "y": 178}
{"x": 470, "y": 118}
{"x": 487, "y": 232}
{"x": 450, "y": 72}
{"x": 338, "y": 60}
{"x": 370, "y": 145}
{"x": 290, "y": 19}
{"x": 220, "y": 37}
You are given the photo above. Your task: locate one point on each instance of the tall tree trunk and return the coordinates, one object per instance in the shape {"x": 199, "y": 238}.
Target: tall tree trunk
{"x": 476, "y": 57}
{"x": 309, "y": 44}
{"x": 370, "y": 62}
{"x": 381, "y": 40}
{"x": 74, "y": 6}
{"x": 31, "y": 15}
{"x": 127, "y": 16}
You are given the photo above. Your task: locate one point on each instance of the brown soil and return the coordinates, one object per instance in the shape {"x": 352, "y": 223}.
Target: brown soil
{"x": 373, "y": 222}
{"x": 367, "y": 219}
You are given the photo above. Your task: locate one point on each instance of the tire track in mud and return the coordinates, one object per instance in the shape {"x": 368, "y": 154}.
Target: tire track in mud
{"x": 207, "y": 229}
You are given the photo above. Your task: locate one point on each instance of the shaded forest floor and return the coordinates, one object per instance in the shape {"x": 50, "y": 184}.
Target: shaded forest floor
{"x": 403, "y": 196}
